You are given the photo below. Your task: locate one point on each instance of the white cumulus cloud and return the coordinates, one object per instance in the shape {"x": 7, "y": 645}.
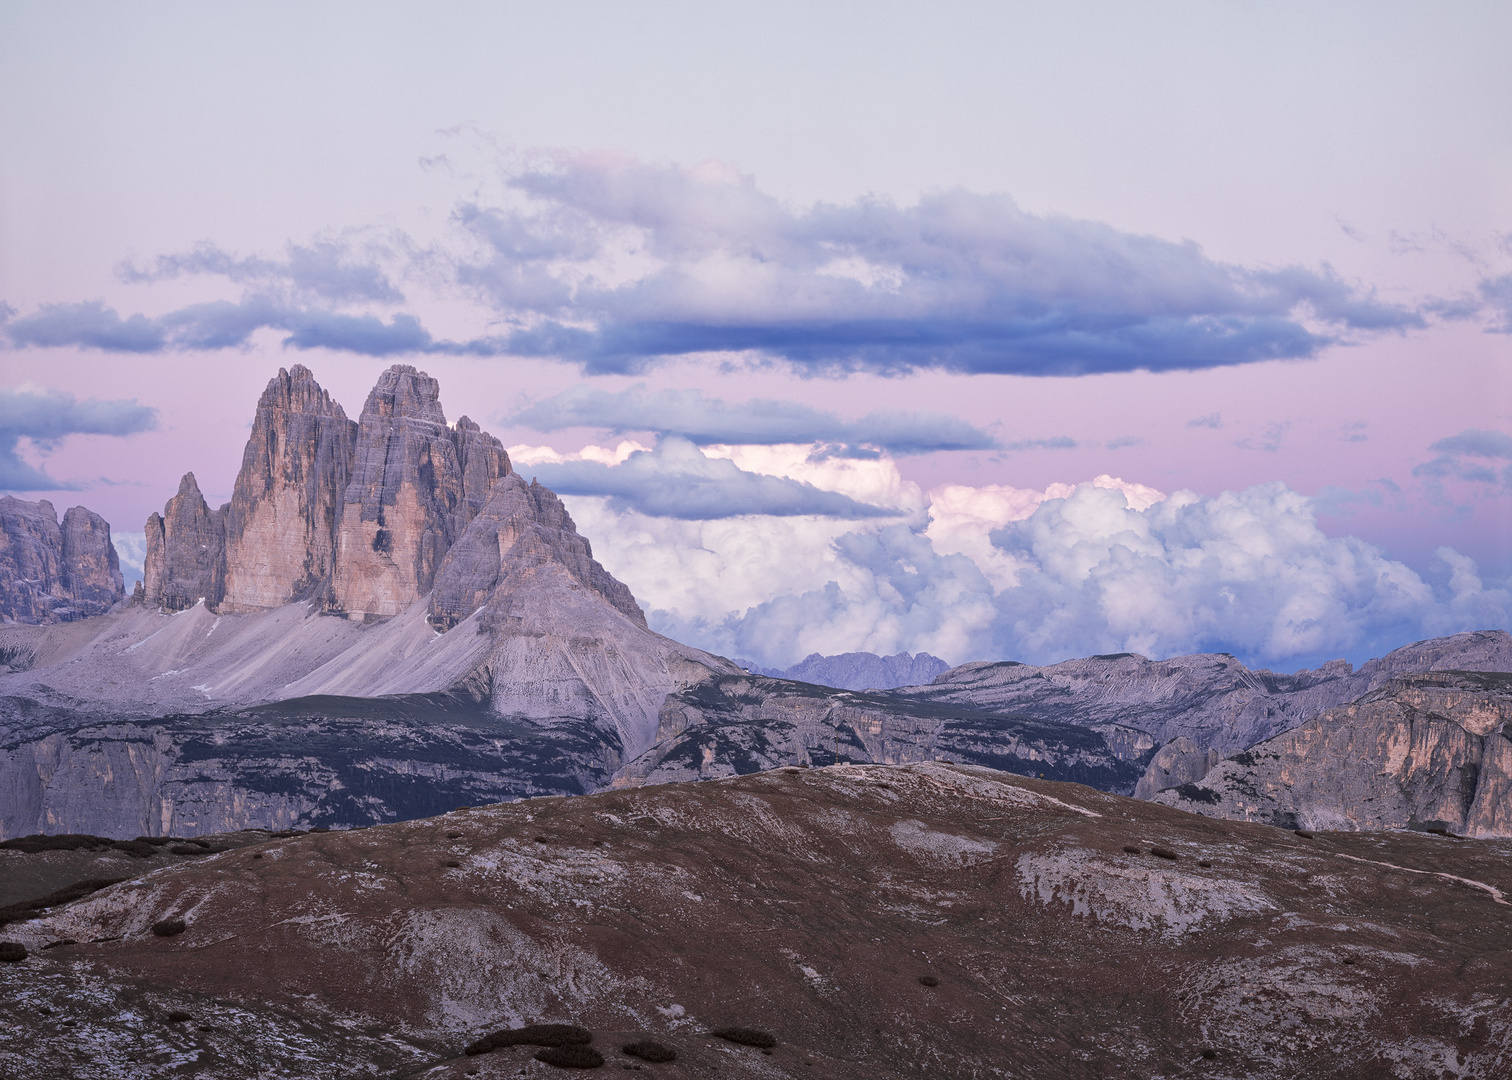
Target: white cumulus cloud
{"x": 997, "y": 572}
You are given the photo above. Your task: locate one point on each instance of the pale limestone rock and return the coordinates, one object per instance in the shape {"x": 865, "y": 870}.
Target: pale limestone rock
{"x": 281, "y": 526}
{"x": 520, "y": 524}
{"x": 410, "y": 495}
{"x": 186, "y": 552}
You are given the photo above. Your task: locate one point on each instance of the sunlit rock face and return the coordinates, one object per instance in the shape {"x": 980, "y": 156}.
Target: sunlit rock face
{"x": 354, "y": 516}
{"x": 281, "y": 526}
{"x": 186, "y": 552}
{"x": 55, "y": 574}
{"x": 410, "y": 495}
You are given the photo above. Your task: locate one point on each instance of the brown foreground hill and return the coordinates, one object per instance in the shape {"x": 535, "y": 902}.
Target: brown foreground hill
{"x": 927, "y": 920}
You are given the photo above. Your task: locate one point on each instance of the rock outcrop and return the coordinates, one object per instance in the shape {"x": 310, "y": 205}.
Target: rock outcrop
{"x": 520, "y": 525}
{"x": 281, "y": 524}
{"x": 730, "y": 725}
{"x": 407, "y": 497}
{"x": 1424, "y": 751}
{"x": 1180, "y": 761}
{"x": 186, "y": 552}
{"x": 52, "y": 574}
{"x": 355, "y": 516}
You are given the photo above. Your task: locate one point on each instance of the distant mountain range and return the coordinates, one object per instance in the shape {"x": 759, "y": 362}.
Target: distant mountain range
{"x": 857, "y": 670}
{"x": 386, "y": 621}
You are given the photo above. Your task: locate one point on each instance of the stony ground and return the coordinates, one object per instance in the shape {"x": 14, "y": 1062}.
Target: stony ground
{"x": 1062, "y": 938}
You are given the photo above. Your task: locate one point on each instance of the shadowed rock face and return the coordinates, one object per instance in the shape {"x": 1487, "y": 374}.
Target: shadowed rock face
{"x": 520, "y": 525}
{"x": 318, "y": 761}
{"x": 806, "y": 903}
{"x": 1180, "y": 761}
{"x": 281, "y": 525}
{"x": 1424, "y": 751}
{"x": 50, "y": 574}
{"x": 186, "y": 552}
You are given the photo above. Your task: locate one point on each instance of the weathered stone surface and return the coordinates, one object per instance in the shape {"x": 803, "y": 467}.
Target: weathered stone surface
{"x": 409, "y": 497}
{"x": 91, "y": 569}
{"x": 482, "y": 460}
{"x": 315, "y": 761}
{"x": 858, "y": 670}
{"x": 186, "y": 552}
{"x": 50, "y": 574}
{"x": 1423, "y": 751}
{"x": 1180, "y": 761}
{"x": 281, "y": 525}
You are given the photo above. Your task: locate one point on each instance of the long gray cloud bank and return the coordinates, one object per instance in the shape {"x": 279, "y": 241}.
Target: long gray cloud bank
{"x": 614, "y": 266}
{"x": 705, "y": 421}
{"x": 46, "y": 417}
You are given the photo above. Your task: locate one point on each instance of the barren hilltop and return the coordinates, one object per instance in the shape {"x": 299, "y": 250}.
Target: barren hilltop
{"x": 876, "y": 922}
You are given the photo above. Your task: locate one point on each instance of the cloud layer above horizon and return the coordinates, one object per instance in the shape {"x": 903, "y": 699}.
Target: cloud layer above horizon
{"x": 1039, "y": 576}
{"x": 613, "y": 264}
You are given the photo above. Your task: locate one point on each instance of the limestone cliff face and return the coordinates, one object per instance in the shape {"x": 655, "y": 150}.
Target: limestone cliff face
{"x": 186, "y": 552}
{"x": 50, "y": 574}
{"x": 1429, "y": 751}
{"x": 482, "y": 460}
{"x": 409, "y": 496}
{"x": 357, "y": 516}
{"x": 287, "y": 503}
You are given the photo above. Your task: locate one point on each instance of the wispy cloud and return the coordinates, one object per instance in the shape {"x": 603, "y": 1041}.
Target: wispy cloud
{"x": 616, "y": 264}
{"x": 328, "y": 269}
{"x": 47, "y": 416}
{"x": 707, "y": 421}
{"x": 1473, "y": 455}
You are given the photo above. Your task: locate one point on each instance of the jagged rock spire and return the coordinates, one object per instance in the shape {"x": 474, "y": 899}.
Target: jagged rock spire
{"x": 281, "y": 527}
{"x": 186, "y": 551}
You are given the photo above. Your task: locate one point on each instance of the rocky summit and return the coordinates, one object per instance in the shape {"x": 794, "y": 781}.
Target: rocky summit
{"x": 357, "y": 517}
{"x": 51, "y": 573}
{"x": 871, "y": 922}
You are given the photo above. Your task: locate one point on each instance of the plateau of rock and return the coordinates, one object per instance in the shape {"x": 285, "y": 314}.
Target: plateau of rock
{"x": 925, "y": 920}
